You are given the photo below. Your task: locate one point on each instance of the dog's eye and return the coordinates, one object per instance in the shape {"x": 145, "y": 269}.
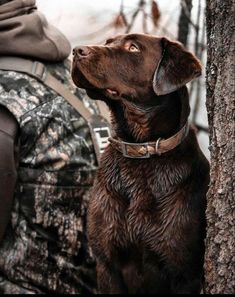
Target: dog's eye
{"x": 133, "y": 48}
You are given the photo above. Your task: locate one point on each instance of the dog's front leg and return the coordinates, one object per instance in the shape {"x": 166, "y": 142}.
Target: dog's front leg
{"x": 106, "y": 234}
{"x": 110, "y": 281}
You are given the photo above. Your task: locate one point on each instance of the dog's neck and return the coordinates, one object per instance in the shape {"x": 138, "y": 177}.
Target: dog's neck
{"x": 138, "y": 123}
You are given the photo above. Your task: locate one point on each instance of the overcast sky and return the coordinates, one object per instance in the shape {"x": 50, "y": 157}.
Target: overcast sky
{"x": 81, "y": 19}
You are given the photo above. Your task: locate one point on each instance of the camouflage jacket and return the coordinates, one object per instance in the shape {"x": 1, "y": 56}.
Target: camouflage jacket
{"x": 45, "y": 247}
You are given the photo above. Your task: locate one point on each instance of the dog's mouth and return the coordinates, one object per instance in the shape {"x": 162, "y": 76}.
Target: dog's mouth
{"x": 82, "y": 80}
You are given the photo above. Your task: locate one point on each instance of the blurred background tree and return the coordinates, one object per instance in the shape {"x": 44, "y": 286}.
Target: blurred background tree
{"x": 184, "y": 21}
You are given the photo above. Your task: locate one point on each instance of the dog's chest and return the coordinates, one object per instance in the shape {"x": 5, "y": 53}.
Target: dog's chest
{"x": 147, "y": 193}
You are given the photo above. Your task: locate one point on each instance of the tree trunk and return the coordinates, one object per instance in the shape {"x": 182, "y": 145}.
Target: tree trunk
{"x": 184, "y": 21}
{"x": 220, "y": 241}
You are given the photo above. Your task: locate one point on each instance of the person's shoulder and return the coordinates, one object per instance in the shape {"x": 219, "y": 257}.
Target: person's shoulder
{"x": 20, "y": 93}
{"x": 14, "y": 83}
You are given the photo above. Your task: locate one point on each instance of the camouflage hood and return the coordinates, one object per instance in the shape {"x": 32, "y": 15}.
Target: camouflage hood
{"x": 25, "y": 32}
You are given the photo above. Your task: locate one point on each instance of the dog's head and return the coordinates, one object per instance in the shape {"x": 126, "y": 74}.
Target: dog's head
{"x": 133, "y": 67}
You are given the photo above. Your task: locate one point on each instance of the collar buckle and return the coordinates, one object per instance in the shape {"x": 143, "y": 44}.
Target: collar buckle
{"x": 127, "y": 155}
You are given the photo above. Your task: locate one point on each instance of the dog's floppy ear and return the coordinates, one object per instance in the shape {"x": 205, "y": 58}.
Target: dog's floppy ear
{"x": 176, "y": 68}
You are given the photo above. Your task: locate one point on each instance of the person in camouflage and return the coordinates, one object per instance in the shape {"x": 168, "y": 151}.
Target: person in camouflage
{"x": 47, "y": 165}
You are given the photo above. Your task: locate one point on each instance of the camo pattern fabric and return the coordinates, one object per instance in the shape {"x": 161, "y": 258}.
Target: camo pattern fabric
{"x": 45, "y": 248}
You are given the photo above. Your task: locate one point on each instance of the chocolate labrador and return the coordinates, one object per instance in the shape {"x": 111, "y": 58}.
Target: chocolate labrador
{"x": 146, "y": 217}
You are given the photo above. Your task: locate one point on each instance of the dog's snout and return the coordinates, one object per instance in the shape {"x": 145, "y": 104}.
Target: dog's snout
{"x": 81, "y": 51}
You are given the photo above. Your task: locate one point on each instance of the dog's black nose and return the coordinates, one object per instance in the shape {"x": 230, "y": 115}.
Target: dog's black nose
{"x": 81, "y": 51}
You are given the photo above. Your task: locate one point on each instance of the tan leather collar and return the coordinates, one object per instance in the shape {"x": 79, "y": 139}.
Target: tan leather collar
{"x": 147, "y": 149}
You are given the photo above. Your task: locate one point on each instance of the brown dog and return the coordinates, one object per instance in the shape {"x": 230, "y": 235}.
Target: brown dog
{"x": 146, "y": 220}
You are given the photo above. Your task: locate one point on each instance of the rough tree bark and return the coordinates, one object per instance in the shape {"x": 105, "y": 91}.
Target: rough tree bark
{"x": 220, "y": 241}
